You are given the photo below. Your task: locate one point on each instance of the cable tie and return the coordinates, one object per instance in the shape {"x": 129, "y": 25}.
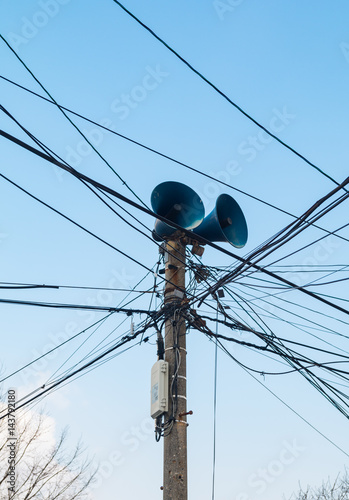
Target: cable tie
{"x": 182, "y": 422}
{"x": 179, "y": 396}
{"x": 180, "y": 348}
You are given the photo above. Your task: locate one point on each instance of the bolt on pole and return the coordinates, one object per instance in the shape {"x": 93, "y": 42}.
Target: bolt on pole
{"x": 175, "y": 479}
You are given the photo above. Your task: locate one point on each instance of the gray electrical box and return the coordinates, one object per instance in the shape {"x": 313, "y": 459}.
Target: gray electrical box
{"x": 159, "y": 388}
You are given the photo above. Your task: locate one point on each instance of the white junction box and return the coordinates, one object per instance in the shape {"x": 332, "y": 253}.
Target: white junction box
{"x": 159, "y": 388}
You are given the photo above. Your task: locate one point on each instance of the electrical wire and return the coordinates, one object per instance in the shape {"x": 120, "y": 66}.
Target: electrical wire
{"x": 73, "y": 222}
{"x": 290, "y": 231}
{"x": 84, "y": 330}
{"x": 123, "y": 341}
{"x": 97, "y": 347}
{"x": 285, "y": 404}
{"x": 7, "y": 285}
{"x": 215, "y": 410}
{"x": 55, "y": 348}
{"x": 303, "y": 370}
{"x": 185, "y": 231}
{"x": 137, "y": 143}
{"x": 70, "y": 120}
{"x": 76, "y": 306}
{"x": 220, "y": 92}
{"x": 99, "y": 195}
{"x": 96, "y": 350}
{"x": 77, "y": 349}
{"x": 297, "y": 413}
{"x": 299, "y": 363}
{"x": 284, "y": 240}
{"x": 310, "y": 212}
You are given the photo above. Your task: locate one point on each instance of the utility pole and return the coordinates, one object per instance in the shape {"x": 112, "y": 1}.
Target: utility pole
{"x": 175, "y": 483}
{"x": 178, "y": 204}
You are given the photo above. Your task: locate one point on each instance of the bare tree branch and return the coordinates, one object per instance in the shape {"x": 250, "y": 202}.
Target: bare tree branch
{"x": 339, "y": 490}
{"x": 44, "y": 471}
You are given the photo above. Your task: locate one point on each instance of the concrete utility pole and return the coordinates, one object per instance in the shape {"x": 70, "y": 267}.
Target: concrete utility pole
{"x": 175, "y": 442}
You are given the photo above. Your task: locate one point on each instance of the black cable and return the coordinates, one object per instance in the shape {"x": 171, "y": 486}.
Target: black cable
{"x": 294, "y": 229}
{"x": 262, "y": 299}
{"x": 284, "y": 356}
{"x": 155, "y": 276}
{"x": 290, "y": 232}
{"x": 94, "y": 350}
{"x": 315, "y": 381}
{"x": 94, "y": 367}
{"x": 137, "y": 143}
{"x": 52, "y": 159}
{"x": 24, "y": 286}
{"x": 215, "y": 411}
{"x": 55, "y": 348}
{"x": 53, "y": 156}
{"x": 152, "y": 150}
{"x": 277, "y": 342}
{"x": 56, "y": 157}
{"x": 117, "y": 2}
{"x": 200, "y": 75}
{"x": 249, "y": 311}
{"x": 78, "y": 348}
{"x": 73, "y": 222}
{"x": 290, "y": 268}
{"x": 297, "y": 326}
{"x": 70, "y": 121}
{"x": 283, "y": 402}
{"x": 200, "y": 239}
{"x": 73, "y": 379}
{"x": 91, "y": 326}
{"x": 293, "y": 233}
{"x": 307, "y": 285}
{"x": 84, "y": 367}
{"x": 76, "y": 306}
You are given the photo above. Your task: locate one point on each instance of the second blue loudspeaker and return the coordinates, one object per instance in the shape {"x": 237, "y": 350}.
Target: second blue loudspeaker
{"x": 178, "y": 203}
{"x": 226, "y": 223}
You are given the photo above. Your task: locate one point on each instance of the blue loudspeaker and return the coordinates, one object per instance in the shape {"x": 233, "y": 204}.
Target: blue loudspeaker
{"x": 179, "y": 204}
{"x": 225, "y": 223}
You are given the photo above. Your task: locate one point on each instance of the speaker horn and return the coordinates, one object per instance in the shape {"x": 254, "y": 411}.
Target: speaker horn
{"x": 226, "y": 223}
{"x": 179, "y": 204}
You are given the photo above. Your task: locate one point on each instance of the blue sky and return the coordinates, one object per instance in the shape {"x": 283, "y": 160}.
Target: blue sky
{"x": 286, "y": 64}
